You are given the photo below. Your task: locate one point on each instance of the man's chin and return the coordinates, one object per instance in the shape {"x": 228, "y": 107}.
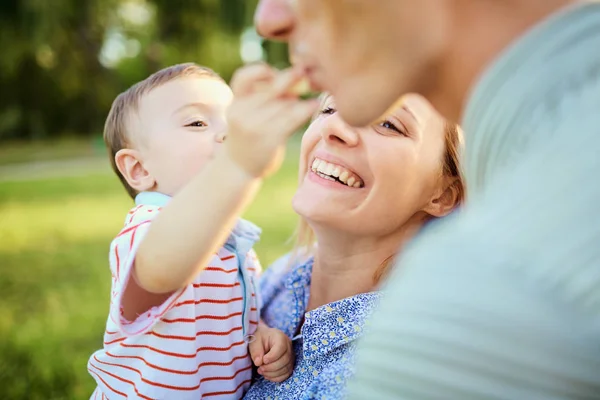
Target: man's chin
{"x": 359, "y": 114}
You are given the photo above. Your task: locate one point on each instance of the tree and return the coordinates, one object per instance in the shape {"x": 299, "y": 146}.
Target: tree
{"x": 64, "y": 61}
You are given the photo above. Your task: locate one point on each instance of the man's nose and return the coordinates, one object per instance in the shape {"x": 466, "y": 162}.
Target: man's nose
{"x": 275, "y": 19}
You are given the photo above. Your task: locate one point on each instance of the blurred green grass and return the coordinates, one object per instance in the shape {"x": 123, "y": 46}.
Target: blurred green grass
{"x": 50, "y": 150}
{"x": 55, "y": 280}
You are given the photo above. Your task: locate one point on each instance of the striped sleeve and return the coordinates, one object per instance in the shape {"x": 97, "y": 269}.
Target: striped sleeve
{"x": 122, "y": 256}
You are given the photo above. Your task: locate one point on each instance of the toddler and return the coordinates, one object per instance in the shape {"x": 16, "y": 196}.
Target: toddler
{"x": 184, "y": 319}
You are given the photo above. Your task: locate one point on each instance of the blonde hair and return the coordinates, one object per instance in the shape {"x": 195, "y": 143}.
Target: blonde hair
{"x": 305, "y": 244}
{"x": 116, "y": 135}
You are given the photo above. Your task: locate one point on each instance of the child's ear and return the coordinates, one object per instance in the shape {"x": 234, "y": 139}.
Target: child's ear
{"x": 445, "y": 200}
{"x": 129, "y": 164}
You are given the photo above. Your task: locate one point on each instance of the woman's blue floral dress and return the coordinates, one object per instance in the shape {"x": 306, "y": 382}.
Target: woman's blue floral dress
{"x": 325, "y": 346}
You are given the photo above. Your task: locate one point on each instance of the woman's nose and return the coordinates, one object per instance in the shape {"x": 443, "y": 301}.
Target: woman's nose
{"x": 275, "y": 19}
{"x": 337, "y": 132}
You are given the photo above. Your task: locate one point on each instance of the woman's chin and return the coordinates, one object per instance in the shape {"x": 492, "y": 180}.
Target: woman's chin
{"x": 309, "y": 208}
{"x": 318, "y": 209}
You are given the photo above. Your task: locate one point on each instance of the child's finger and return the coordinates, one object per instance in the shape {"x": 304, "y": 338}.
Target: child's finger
{"x": 282, "y": 117}
{"x": 247, "y": 79}
{"x": 296, "y": 114}
{"x": 284, "y": 82}
{"x": 257, "y": 351}
{"x": 276, "y": 365}
{"x": 279, "y": 346}
{"x": 285, "y": 371}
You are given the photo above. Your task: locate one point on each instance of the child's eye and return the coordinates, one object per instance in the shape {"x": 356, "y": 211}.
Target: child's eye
{"x": 197, "y": 124}
{"x": 328, "y": 110}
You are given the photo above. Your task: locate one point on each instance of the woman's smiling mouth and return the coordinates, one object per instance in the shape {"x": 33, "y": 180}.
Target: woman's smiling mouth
{"x": 336, "y": 173}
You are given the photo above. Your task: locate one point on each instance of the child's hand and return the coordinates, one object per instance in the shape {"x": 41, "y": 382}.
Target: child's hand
{"x": 263, "y": 115}
{"x": 272, "y": 353}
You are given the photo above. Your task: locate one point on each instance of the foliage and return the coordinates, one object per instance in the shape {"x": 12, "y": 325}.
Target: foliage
{"x": 64, "y": 61}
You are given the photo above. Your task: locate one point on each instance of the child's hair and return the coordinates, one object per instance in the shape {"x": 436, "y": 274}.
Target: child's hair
{"x": 116, "y": 134}
{"x": 453, "y": 136}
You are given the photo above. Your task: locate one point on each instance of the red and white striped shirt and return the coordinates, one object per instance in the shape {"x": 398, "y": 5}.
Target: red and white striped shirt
{"x": 193, "y": 345}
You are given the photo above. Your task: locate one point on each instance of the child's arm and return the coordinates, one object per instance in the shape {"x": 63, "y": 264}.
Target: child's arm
{"x": 196, "y": 222}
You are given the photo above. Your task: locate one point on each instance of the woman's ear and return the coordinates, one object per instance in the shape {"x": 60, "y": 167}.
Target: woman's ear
{"x": 129, "y": 163}
{"x": 446, "y": 199}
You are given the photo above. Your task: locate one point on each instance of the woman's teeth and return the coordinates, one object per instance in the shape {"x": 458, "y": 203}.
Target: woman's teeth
{"x": 336, "y": 173}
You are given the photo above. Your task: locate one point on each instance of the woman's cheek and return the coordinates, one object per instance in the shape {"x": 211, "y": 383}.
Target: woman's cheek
{"x": 302, "y": 171}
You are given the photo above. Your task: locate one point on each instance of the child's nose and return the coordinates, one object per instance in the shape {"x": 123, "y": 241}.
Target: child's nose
{"x": 220, "y": 136}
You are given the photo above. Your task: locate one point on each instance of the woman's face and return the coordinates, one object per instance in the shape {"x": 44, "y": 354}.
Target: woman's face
{"x": 371, "y": 181}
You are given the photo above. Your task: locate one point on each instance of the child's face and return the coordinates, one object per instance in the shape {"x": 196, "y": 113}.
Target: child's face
{"x": 180, "y": 126}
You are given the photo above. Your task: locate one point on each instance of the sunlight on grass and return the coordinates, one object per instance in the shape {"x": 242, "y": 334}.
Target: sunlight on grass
{"x": 75, "y": 218}
{"x": 43, "y": 150}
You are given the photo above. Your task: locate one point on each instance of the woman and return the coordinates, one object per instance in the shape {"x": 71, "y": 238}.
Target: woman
{"x": 363, "y": 193}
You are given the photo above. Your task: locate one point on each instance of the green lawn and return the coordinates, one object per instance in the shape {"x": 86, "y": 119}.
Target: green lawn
{"x": 42, "y": 150}
{"x": 55, "y": 280}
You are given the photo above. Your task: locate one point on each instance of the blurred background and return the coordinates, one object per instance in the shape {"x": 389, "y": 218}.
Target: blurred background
{"x": 62, "y": 62}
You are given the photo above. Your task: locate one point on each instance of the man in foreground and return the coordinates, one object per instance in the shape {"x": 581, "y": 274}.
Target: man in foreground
{"x": 510, "y": 308}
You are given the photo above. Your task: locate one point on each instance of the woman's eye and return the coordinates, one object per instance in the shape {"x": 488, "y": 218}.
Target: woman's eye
{"x": 390, "y": 126}
{"x": 328, "y": 110}
{"x": 197, "y": 124}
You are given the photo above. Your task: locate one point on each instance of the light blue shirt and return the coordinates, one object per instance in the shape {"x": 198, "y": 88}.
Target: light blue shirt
{"x": 502, "y": 301}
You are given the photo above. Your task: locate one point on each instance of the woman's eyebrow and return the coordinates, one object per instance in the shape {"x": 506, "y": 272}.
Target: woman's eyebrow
{"x": 411, "y": 113}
